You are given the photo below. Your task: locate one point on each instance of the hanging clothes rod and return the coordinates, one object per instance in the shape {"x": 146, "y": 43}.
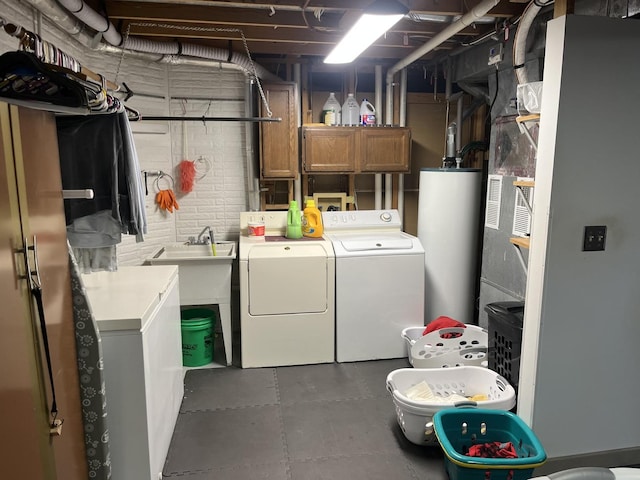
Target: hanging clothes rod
{"x": 213, "y": 119}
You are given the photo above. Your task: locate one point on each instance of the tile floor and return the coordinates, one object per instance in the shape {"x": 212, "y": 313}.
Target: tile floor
{"x": 330, "y": 421}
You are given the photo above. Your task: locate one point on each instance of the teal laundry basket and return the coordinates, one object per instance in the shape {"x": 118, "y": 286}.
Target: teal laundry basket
{"x": 459, "y": 428}
{"x": 197, "y": 326}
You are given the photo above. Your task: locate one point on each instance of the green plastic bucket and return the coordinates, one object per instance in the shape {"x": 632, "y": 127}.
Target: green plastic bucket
{"x": 197, "y": 336}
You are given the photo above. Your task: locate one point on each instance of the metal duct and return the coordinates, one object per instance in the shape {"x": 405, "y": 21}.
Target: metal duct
{"x": 90, "y": 17}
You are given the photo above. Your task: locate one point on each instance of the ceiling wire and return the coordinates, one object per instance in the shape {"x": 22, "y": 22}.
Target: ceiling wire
{"x": 217, "y": 29}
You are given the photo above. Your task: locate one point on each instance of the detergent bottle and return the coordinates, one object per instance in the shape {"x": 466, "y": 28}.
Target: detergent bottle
{"x": 312, "y": 220}
{"x": 331, "y": 111}
{"x": 350, "y": 111}
{"x": 294, "y": 221}
{"x": 367, "y": 113}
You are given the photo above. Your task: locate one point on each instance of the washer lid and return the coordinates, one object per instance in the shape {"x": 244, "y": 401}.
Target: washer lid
{"x": 360, "y": 243}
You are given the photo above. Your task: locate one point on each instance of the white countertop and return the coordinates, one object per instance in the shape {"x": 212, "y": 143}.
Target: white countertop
{"x": 123, "y": 300}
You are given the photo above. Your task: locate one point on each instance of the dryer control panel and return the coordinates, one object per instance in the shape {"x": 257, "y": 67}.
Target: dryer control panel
{"x": 362, "y": 220}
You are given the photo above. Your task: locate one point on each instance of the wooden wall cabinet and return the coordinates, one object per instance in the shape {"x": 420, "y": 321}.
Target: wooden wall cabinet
{"x": 279, "y": 140}
{"x": 356, "y": 149}
{"x": 329, "y": 149}
{"x": 385, "y": 149}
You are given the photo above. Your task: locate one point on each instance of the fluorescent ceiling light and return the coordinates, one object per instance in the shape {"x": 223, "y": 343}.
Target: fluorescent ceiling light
{"x": 374, "y": 22}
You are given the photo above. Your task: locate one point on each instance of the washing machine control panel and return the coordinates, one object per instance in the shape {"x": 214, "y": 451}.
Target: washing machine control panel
{"x": 361, "y": 219}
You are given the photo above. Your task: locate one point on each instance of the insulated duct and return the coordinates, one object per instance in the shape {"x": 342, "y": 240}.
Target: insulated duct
{"x": 93, "y": 19}
{"x": 520, "y": 41}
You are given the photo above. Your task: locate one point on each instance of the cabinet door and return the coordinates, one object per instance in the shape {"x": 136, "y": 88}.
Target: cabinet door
{"x": 385, "y": 149}
{"x": 30, "y": 192}
{"x": 279, "y": 140}
{"x": 329, "y": 149}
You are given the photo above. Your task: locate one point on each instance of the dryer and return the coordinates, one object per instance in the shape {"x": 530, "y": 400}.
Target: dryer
{"x": 379, "y": 283}
{"x": 287, "y": 295}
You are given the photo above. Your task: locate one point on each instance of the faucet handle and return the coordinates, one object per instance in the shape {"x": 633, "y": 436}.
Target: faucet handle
{"x": 191, "y": 240}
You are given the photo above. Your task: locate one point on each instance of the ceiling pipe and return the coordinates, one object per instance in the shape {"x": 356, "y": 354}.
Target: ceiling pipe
{"x": 467, "y": 19}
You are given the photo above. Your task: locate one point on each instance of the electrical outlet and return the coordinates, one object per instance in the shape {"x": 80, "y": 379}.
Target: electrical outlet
{"x": 594, "y": 238}
{"x": 495, "y": 54}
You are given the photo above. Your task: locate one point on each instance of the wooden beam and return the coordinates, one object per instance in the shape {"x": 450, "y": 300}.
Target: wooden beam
{"x": 563, "y": 7}
{"x": 175, "y": 12}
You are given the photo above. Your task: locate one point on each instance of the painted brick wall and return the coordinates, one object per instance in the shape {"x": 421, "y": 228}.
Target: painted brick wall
{"x": 219, "y": 195}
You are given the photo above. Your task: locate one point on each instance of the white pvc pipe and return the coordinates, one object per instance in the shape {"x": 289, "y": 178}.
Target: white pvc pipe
{"x": 378, "y": 94}
{"x": 402, "y": 122}
{"x": 388, "y": 190}
{"x": 377, "y": 201}
{"x": 467, "y": 19}
{"x": 297, "y": 78}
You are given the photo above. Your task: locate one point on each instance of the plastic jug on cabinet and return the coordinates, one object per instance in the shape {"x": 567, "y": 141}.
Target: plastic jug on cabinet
{"x": 367, "y": 113}
{"x": 350, "y": 111}
{"x": 331, "y": 111}
{"x": 312, "y": 220}
{"x": 294, "y": 221}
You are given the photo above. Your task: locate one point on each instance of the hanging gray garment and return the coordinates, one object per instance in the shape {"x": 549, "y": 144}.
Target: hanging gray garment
{"x": 92, "y": 388}
{"x": 134, "y": 182}
{"x": 94, "y": 239}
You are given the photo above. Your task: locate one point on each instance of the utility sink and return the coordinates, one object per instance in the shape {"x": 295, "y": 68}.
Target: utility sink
{"x": 184, "y": 251}
{"x": 204, "y": 278}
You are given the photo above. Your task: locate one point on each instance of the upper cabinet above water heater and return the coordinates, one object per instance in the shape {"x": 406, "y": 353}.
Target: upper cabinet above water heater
{"x": 370, "y": 149}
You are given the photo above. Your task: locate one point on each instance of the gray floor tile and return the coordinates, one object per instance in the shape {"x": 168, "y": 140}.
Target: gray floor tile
{"x": 308, "y": 383}
{"x": 355, "y": 467}
{"x": 229, "y": 387}
{"x": 426, "y": 462}
{"x": 347, "y": 427}
{"x": 374, "y": 374}
{"x": 277, "y": 471}
{"x": 205, "y": 440}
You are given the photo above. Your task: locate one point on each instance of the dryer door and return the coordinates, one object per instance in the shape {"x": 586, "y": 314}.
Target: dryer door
{"x": 286, "y": 279}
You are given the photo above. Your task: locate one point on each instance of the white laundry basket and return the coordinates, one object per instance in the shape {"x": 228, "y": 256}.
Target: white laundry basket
{"x": 414, "y": 417}
{"x": 434, "y": 350}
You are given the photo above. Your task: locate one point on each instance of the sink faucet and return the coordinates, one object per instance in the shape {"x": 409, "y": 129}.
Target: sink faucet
{"x": 205, "y": 241}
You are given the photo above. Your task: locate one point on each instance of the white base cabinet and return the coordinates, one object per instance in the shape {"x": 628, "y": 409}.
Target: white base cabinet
{"x": 137, "y": 310}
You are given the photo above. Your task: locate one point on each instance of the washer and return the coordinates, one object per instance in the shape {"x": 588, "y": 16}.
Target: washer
{"x": 379, "y": 283}
{"x": 287, "y": 295}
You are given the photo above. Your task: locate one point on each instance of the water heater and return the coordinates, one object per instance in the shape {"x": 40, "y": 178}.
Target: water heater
{"x": 448, "y": 228}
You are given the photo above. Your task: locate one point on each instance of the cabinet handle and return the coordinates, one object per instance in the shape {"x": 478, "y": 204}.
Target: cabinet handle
{"x": 35, "y": 285}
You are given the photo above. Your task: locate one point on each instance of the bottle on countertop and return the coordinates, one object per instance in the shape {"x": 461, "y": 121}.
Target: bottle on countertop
{"x": 350, "y": 111}
{"x": 331, "y": 111}
{"x": 294, "y": 221}
{"x": 312, "y": 220}
{"x": 367, "y": 113}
